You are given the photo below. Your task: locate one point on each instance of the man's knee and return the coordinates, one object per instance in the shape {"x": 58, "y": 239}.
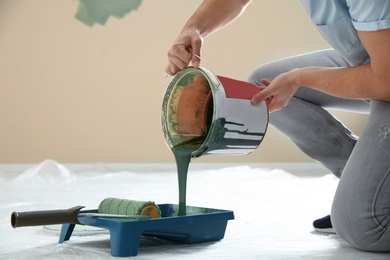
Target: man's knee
{"x": 268, "y": 71}
{"x": 361, "y": 230}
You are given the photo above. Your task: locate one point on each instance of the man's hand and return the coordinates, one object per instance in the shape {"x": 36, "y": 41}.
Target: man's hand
{"x": 211, "y": 16}
{"x": 180, "y": 54}
{"x": 278, "y": 92}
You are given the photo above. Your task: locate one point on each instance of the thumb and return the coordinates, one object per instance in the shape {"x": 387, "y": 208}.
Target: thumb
{"x": 266, "y": 82}
{"x": 195, "y": 61}
{"x": 195, "y": 50}
{"x": 261, "y": 96}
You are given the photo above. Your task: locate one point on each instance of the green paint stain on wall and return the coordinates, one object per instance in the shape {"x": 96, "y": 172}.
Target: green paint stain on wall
{"x": 98, "y": 11}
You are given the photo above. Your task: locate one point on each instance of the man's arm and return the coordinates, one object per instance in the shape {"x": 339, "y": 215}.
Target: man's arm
{"x": 368, "y": 81}
{"x": 211, "y": 16}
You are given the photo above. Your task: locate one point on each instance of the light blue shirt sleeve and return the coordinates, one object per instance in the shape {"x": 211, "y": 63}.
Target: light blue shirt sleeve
{"x": 369, "y": 15}
{"x": 339, "y": 20}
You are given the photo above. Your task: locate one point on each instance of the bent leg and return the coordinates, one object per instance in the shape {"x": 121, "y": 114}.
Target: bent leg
{"x": 305, "y": 119}
{"x": 361, "y": 207}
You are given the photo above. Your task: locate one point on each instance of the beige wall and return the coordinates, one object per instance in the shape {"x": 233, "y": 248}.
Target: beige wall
{"x": 78, "y": 94}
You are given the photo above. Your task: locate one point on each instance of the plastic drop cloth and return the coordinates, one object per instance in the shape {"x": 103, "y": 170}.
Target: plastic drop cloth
{"x": 273, "y": 212}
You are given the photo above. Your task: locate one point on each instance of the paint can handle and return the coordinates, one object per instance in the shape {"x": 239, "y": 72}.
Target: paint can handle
{"x": 205, "y": 62}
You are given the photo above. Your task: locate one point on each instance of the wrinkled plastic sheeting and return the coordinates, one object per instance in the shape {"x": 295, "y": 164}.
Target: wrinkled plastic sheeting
{"x": 98, "y": 11}
{"x": 48, "y": 171}
{"x": 273, "y": 213}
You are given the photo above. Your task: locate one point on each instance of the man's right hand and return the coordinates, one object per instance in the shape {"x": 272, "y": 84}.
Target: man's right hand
{"x": 209, "y": 17}
{"x": 180, "y": 55}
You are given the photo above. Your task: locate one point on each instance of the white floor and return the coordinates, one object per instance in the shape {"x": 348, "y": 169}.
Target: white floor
{"x": 273, "y": 208}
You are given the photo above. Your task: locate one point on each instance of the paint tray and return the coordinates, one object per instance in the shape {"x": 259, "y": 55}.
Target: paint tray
{"x": 198, "y": 226}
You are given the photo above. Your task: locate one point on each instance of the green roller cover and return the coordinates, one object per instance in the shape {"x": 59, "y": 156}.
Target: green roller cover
{"x": 129, "y": 207}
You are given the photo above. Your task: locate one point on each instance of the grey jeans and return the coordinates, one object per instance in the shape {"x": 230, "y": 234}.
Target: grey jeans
{"x": 361, "y": 206}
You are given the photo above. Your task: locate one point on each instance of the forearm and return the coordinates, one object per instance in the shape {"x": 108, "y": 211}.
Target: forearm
{"x": 215, "y": 14}
{"x": 209, "y": 17}
{"x": 369, "y": 81}
{"x": 358, "y": 82}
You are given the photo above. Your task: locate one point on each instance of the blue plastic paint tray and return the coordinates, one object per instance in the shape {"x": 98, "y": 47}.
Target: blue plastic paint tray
{"x": 198, "y": 226}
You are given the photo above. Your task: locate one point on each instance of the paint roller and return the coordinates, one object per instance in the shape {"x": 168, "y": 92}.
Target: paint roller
{"x": 122, "y": 209}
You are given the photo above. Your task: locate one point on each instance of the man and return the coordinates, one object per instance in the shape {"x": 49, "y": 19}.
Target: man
{"x": 354, "y": 76}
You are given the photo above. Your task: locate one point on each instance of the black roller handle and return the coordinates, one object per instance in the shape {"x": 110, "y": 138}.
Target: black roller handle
{"x": 45, "y": 217}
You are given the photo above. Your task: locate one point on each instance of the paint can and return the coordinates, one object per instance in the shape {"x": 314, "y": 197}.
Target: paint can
{"x": 212, "y": 113}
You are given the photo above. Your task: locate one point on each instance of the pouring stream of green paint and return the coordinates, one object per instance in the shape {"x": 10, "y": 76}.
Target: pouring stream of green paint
{"x": 182, "y": 155}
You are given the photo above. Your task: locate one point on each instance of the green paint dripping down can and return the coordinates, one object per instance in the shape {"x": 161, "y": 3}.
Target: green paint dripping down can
{"x": 212, "y": 113}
